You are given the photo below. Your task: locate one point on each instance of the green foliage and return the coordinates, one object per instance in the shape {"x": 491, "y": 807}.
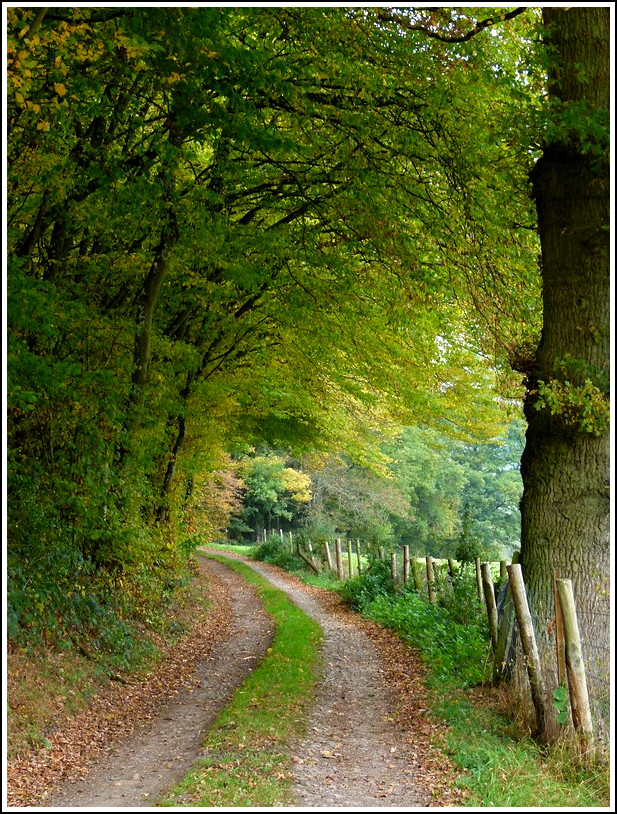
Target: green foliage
{"x": 275, "y": 551}
{"x": 561, "y": 704}
{"x": 452, "y": 635}
{"x": 453, "y": 651}
{"x": 273, "y": 493}
{"x": 316, "y": 530}
{"x": 463, "y": 495}
{"x": 376, "y": 581}
{"x": 228, "y": 224}
{"x": 459, "y": 597}
{"x": 467, "y": 549}
{"x": 584, "y": 407}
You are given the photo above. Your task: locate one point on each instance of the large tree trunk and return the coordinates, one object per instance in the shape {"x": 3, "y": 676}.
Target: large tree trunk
{"x": 565, "y": 465}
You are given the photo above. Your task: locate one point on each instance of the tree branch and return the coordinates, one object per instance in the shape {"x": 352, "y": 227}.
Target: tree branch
{"x": 387, "y": 16}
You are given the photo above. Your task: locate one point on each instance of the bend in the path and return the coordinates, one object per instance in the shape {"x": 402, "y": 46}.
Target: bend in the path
{"x": 354, "y": 754}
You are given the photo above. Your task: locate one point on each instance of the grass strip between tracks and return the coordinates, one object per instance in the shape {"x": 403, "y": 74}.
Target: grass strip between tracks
{"x": 248, "y": 760}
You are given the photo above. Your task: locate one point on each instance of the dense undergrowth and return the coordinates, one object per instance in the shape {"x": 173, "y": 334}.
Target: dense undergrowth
{"x": 451, "y": 643}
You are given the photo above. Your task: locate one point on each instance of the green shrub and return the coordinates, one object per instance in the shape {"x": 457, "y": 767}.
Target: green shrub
{"x": 276, "y": 552}
{"x": 453, "y": 651}
{"x": 459, "y": 596}
{"x": 376, "y": 581}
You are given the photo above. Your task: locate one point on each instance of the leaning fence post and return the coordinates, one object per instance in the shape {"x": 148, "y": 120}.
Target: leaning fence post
{"x": 575, "y": 667}
{"x": 339, "y": 560}
{"x": 430, "y": 578}
{"x": 328, "y": 555}
{"x": 478, "y": 579}
{"x": 405, "y": 565}
{"x": 491, "y": 606}
{"x": 530, "y": 647}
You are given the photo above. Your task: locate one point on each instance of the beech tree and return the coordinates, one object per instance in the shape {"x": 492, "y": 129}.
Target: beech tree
{"x": 204, "y": 244}
{"x": 565, "y": 465}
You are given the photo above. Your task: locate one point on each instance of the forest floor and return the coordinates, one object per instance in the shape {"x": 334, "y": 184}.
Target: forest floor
{"x": 369, "y": 741}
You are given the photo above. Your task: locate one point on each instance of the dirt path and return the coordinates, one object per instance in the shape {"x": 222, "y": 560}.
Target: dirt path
{"x": 367, "y": 742}
{"x": 160, "y": 751}
{"x": 355, "y": 754}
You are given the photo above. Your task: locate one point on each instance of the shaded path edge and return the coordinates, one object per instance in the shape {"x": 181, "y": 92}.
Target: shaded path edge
{"x": 85, "y": 746}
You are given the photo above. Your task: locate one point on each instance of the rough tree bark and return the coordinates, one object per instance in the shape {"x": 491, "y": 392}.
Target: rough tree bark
{"x": 565, "y": 468}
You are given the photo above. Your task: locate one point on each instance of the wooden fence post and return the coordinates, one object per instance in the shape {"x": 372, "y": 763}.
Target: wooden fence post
{"x": 530, "y": 647}
{"x": 349, "y": 560}
{"x": 560, "y": 650}
{"x": 329, "y": 555}
{"x": 415, "y": 574}
{"x": 491, "y": 606}
{"x": 310, "y": 561}
{"x": 393, "y": 566}
{"x": 478, "y": 579}
{"x": 575, "y": 667}
{"x": 382, "y": 555}
{"x": 430, "y": 578}
{"x": 358, "y": 558}
{"x": 451, "y": 567}
{"x": 316, "y": 563}
{"x": 503, "y": 571}
{"x": 291, "y": 541}
{"x": 405, "y": 565}
{"x": 339, "y": 560}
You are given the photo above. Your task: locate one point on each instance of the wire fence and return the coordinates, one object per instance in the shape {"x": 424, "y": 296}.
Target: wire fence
{"x": 595, "y": 638}
{"x": 431, "y": 576}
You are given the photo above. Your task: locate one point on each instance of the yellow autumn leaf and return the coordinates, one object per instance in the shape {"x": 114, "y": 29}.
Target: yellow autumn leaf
{"x": 42, "y": 125}
{"x": 60, "y": 88}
